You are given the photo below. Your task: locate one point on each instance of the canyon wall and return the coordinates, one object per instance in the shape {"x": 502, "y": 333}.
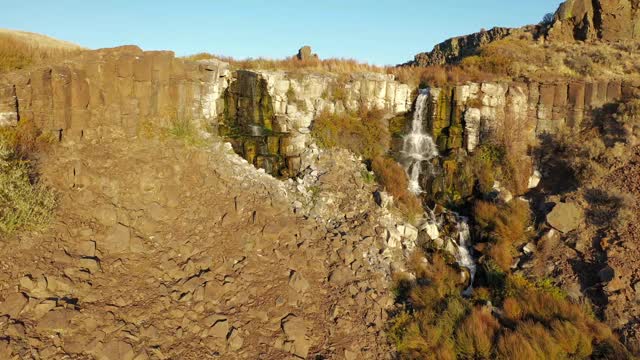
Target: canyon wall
{"x": 123, "y": 85}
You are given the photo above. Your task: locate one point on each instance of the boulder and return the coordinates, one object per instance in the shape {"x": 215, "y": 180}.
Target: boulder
{"x": 298, "y": 282}
{"x": 305, "y": 54}
{"x": 565, "y": 217}
{"x": 534, "y": 180}
{"x": 13, "y": 305}
{"x": 295, "y": 330}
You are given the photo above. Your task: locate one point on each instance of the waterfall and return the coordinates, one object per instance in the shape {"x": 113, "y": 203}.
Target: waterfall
{"x": 418, "y": 146}
{"x": 464, "y": 256}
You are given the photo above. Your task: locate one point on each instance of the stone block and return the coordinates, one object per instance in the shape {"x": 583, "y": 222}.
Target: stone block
{"x": 560, "y": 95}
{"x": 576, "y": 95}
{"x": 614, "y": 91}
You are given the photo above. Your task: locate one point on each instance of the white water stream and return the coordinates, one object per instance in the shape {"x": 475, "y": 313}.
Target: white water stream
{"x": 418, "y": 149}
{"x": 418, "y": 146}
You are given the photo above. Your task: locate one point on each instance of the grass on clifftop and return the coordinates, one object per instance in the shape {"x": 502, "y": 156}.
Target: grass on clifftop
{"x": 21, "y": 50}
{"x": 293, "y": 64}
{"x": 25, "y": 203}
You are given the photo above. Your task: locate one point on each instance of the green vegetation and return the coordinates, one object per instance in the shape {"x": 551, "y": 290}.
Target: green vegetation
{"x": 186, "y": 131}
{"x": 25, "y": 203}
{"x": 530, "y": 321}
{"x": 365, "y": 133}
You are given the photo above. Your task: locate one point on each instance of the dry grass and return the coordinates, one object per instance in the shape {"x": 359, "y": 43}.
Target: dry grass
{"x": 25, "y": 204}
{"x": 293, "y": 64}
{"x": 536, "y": 321}
{"x": 394, "y": 180}
{"x": 523, "y": 58}
{"x": 365, "y": 133}
{"x": 21, "y": 50}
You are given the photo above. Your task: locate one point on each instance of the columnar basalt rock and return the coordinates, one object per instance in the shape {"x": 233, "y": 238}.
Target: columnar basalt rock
{"x": 124, "y": 85}
{"x": 461, "y": 118}
{"x": 268, "y": 114}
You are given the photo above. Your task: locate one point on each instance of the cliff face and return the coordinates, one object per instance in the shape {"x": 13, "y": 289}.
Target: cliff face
{"x": 607, "y": 20}
{"x": 460, "y": 118}
{"x": 125, "y": 85}
{"x": 268, "y": 114}
{"x": 583, "y": 20}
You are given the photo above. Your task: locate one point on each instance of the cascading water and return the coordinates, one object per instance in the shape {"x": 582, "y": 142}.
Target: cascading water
{"x": 464, "y": 256}
{"x": 418, "y": 149}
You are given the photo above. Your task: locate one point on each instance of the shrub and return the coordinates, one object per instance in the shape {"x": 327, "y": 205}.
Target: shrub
{"x": 484, "y": 213}
{"x": 186, "y": 130}
{"x": 512, "y": 309}
{"x": 25, "y": 204}
{"x": 475, "y": 337}
{"x": 393, "y": 179}
{"x": 365, "y": 133}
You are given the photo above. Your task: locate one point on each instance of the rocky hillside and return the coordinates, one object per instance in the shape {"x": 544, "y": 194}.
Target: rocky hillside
{"x": 575, "y": 20}
{"x": 155, "y": 207}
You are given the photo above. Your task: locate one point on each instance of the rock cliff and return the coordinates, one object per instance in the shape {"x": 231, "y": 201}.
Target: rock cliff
{"x": 74, "y": 99}
{"x": 587, "y": 20}
{"x": 268, "y": 114}
{"x": 455, "y": 49}
{"x": 583, "y": 20}
{"x": 460, "y": 118}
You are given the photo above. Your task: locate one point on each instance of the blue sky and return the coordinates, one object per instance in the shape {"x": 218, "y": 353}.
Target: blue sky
{"x": 375, "y": 31}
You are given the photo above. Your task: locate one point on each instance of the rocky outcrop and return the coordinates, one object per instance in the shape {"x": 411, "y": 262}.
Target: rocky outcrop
{"x": 455, "y": 49}
{"x": 306, "y": 54}
{"x": 587, "y": 20}
{"x": 268, "y": 114}
{"x": 124, "y": 84}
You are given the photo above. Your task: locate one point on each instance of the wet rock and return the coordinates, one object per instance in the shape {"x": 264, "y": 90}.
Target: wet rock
{"x": 529, "y": 249}
{"x": 606, "y": 274}
{"x": 565, "y": 217}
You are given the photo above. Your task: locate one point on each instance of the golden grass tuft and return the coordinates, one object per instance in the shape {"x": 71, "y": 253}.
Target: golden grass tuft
{"x": 20, "y": 50}
{"x": 394, "y": 180}
{"x": 25, "y": 203}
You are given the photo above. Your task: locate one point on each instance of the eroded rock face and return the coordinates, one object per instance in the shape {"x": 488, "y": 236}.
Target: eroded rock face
{"x": 607, "y": 20}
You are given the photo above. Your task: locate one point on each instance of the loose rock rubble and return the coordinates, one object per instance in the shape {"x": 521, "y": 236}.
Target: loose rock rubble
{"x": 166, "y": 251}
